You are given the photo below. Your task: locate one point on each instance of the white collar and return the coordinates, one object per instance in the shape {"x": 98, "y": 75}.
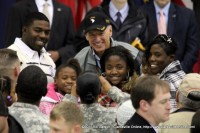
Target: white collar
{"x": 113, "y": 10}
{"x": 164, "y": 9}
{"x": 28, "y": 51}
{"x": 42, "y": 2}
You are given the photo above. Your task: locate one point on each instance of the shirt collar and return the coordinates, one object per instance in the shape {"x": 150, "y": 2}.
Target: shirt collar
{"x": 28, "y": 51}
{"x": 113, "y": 10}
{"x": 95, "y": 55}
{"x": 41, "y": 2}
{"x": 164, "y": 9}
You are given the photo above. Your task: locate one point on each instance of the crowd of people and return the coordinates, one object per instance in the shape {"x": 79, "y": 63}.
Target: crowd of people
{"x": 126, "y": 69}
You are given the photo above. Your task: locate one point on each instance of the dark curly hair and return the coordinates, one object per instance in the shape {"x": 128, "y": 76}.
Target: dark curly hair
{"x": 121, "y": 52}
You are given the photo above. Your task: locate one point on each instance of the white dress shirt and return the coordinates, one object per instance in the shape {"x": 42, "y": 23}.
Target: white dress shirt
{"x": 113, "y": 11}
{"x": 40, "y": 7}
{"x": 28, "y": 57}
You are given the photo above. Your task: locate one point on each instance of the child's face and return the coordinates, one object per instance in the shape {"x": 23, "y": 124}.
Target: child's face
{"x": 66, "y": 78}
{"x": 116, "y": 69}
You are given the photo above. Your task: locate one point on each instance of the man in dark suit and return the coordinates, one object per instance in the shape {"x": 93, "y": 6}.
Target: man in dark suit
{"x": 181, "y": 25}
{"x": 150, "y": 97}
{"x": 62, "y": 27}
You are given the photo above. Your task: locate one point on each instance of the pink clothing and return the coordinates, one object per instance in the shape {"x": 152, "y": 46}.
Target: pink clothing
{"x": 51, "y": 99}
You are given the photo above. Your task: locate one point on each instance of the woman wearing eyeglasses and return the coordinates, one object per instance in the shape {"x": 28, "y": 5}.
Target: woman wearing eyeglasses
{"x": 160, "y": 55}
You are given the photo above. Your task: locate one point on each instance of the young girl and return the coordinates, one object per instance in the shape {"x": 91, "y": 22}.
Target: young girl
{"x": 65, "y": 77}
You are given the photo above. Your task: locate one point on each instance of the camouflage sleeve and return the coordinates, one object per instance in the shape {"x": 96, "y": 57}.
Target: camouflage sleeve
{"x": 70, "y": 98}
{"x": 117, "y": 95}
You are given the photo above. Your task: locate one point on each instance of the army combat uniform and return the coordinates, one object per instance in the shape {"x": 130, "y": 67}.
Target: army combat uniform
{"x": 29, "y": 117}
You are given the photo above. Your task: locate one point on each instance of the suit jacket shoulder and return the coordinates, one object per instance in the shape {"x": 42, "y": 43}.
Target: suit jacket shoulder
{"x": 137, "y": 124}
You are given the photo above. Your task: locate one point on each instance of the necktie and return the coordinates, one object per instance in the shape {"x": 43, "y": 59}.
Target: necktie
{"x": 45, "y": 10}
{"x": 118, "y": 21}
{"x": 162, "y": 23}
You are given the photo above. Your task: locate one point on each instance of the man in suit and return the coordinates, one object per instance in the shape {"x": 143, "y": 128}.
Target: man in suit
{"x": 150, "y": 97}
{"x": 62, "y": 27}
{"x": 180, "y": 24}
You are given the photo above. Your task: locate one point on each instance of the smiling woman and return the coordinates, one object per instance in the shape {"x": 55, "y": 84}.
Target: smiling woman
{"x": 161, "y": 57}
{"x": 117, "y": 65}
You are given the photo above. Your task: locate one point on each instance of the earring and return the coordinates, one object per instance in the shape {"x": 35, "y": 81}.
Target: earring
{"x": 9, "y": 98}
{"x": 127, "y": 76}
{"x": 103, "y": 74}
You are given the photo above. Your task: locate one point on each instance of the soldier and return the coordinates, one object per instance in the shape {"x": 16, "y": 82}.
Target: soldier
{"x": 10, "y": 68}
{"x": 66, "y": 117}
{"x": 97, "y": 119}
{"x": 31, "y": 86}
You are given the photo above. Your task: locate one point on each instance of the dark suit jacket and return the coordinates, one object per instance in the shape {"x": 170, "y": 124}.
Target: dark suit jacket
{"x": 137, "y": 124}
{"x": 62, "y": 29}
{"x": 182, "y": 26}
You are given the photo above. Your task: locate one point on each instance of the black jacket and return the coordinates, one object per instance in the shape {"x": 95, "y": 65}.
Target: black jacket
{"x": 137, "y": 124}
{"x": 133, "y": 26}
{"x": 14, "y": 126}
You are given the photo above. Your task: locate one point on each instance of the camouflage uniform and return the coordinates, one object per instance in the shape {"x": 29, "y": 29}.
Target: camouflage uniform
{"x": 29, "y": 117}
{"x": 97, "y": 119}
{"x": 117, "y": 95}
